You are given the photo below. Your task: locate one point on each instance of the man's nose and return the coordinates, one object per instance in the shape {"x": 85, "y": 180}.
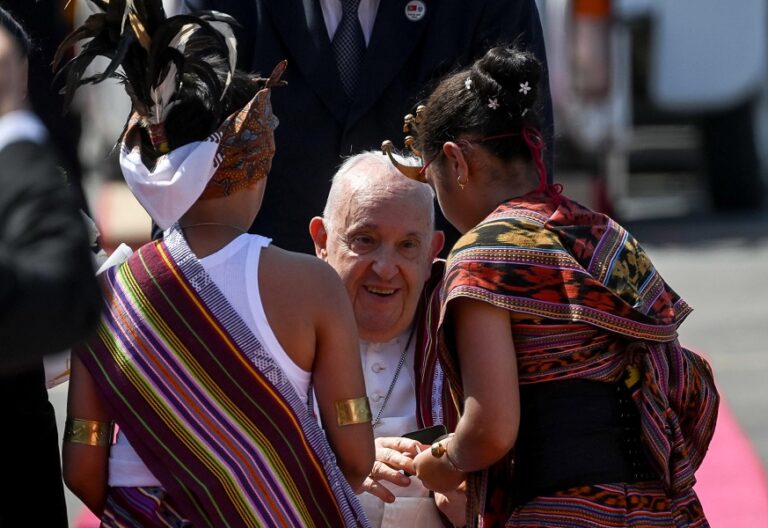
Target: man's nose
{"x": 385, "y": 264}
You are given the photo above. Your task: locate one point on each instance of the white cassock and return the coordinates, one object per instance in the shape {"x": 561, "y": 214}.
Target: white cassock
{"x": 413, "y": 506}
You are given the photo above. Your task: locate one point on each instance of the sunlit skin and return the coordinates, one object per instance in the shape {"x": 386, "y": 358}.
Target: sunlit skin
{"x": 381, "y": 241}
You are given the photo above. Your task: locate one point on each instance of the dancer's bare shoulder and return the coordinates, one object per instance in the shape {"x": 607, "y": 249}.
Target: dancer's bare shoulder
{"x": 304, "y": 301}
{"x": 306, "y": 276}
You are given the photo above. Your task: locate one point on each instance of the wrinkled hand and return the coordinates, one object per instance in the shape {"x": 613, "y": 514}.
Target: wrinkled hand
{"x": 437, "y": 474}
{"x": 393, "y": 454}
{"x": 453, "y": 504}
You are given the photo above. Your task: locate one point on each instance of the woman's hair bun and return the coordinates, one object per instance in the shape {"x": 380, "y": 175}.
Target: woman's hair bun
{"x": 495, "y": 99}
{"x": 509, "y": 74}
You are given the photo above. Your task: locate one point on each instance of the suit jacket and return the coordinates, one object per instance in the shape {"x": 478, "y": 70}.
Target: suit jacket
{"x": 48, "y": 292}
{"x": 317, "y": 124}
{"x": 48, "y": 299}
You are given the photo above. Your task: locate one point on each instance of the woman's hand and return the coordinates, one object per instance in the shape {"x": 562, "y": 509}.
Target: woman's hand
{"x": 437, "y": 474}
{"x": 453, "y": 504}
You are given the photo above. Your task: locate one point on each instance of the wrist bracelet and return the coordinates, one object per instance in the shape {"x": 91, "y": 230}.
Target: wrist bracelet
{"x": 437, "y": 449}
{"x": 451, "y": 462}
{"x": 88, "y": 432}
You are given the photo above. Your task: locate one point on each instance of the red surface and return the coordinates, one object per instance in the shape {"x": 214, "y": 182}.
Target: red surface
{"x": 732, "y": 482}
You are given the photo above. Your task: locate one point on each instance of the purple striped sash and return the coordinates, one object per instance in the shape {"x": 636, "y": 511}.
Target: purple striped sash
{"x": 206, "y": 407}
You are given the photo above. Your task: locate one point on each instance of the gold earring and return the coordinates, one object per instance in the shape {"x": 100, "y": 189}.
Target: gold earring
{"x": 460, "y": 184}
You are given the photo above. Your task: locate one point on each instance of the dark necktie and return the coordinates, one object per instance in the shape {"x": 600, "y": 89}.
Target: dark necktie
{"x": 349, "y": 46}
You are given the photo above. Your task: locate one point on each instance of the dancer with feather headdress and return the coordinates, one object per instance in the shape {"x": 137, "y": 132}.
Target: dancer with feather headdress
{"x": 210, "y": 336}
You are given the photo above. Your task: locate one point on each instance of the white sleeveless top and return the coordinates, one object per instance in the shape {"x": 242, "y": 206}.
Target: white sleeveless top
{"x": 232, "y": 267}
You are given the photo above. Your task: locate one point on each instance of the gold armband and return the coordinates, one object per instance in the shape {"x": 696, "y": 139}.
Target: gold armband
{"x": 354, "y": 411}
{"x": 88, "y": 432}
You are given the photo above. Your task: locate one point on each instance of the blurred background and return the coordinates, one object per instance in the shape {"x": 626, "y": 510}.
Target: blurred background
{"x": 661, "y": 112}
{"x": 661, "y": 105}
{"x": 661, "y": 116}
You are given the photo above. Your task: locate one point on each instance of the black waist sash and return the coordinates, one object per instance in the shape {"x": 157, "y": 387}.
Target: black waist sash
{"x": 576, "y": 433}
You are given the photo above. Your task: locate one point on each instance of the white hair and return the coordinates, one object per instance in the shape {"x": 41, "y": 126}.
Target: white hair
{"x": 379, "y": 173}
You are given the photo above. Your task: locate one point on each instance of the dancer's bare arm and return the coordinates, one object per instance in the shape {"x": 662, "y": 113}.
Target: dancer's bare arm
{"x": 85, "y": 467}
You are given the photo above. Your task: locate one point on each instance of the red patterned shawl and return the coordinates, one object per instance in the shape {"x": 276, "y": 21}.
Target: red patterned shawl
{"x": 586, "y": 302}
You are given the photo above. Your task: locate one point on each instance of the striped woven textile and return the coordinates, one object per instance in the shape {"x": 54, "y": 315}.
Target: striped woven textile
{"x": 638, "y": 505}
{"x": 586, "y": 302}
{"x": 434, "y": 403}
{"x": 207, "y": 409}
{"x": 146, "y": 507}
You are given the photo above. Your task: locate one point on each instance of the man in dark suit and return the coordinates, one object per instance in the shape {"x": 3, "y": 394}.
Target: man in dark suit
{"x": 407, "y": 45}
{"x": 48, "y": 295}
{"x": 46, "y": 23}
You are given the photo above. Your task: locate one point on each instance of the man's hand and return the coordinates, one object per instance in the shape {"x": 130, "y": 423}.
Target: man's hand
{"x": 393, "y": 455}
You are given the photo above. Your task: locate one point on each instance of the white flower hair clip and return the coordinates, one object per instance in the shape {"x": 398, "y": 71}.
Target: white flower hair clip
{"x": 524, "y": 88}
{"x": 468, "y": 83}
{"x": 493, "y": 103}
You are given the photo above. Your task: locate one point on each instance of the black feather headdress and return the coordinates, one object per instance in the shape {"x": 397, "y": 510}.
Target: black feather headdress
{"x": 183, "y": 65}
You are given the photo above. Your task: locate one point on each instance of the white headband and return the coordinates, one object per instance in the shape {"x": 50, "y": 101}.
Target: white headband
{"x": 177, "y": 181}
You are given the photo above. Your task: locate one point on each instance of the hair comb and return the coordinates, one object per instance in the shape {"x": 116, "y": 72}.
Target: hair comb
{"x": 410, "y": 127}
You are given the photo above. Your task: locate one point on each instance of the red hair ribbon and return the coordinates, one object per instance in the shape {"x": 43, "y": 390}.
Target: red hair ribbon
{"x": 535, "y": 142}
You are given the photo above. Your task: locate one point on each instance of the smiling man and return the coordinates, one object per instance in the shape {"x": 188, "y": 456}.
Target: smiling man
{"x": 378, "y": 233}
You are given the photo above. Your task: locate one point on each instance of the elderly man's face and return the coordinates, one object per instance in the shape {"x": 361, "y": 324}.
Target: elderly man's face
{"x": 382, "y": 244}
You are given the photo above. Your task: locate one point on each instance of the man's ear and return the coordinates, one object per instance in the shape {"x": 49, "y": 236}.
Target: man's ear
{"x": 456, "y": 161}
{"x": 319, "y": 236}
{"x": 438, "y": 241}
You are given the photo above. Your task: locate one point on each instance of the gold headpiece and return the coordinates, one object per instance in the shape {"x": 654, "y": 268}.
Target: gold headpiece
{"x": 410, "y": 124}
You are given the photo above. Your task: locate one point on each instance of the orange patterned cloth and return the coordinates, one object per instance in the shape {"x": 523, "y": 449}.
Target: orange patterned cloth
{"x": 246, "y": 143}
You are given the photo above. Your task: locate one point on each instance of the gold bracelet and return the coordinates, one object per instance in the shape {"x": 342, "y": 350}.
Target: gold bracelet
{"x": 353, "y": 411}
{"x": 437, "y": 449}
{"x": 451, "y": 462}
{"x": 88, "y": 432}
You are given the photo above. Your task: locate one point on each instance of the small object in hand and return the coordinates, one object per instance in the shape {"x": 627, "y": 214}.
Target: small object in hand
{"x": 427, "y": 435}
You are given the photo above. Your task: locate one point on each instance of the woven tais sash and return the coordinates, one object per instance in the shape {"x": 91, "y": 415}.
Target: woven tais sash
{"x": 204, "y": 405}
{"x": 434, "y": 403}
{"x": 586, "y": 302}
